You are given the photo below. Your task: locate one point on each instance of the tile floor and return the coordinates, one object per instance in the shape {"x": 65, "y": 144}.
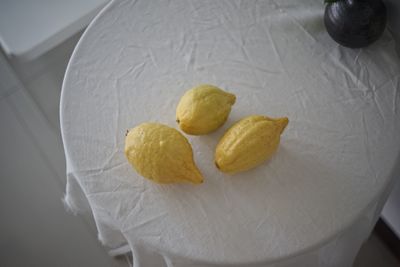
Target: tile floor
{"x": 35, "y": 229}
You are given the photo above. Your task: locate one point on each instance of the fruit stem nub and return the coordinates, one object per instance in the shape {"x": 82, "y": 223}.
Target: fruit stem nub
{"x": 283, "y": 123}
{"x": 216, "y": 164}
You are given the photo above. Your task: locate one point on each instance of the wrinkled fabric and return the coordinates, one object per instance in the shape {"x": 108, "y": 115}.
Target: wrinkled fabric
{"x": 312, "y": 204}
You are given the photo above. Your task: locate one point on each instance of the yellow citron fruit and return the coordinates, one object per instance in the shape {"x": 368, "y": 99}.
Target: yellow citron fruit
{"x": 203, "y": 109}
{"x": 161, "y": 154}
{"x": 248, "y": 143}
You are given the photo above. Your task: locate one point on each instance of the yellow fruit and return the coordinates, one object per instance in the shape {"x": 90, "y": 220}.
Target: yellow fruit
{"x": 248, "y": 143}
{"x": 203, "y": 109}
{"x": 161, "y": 154}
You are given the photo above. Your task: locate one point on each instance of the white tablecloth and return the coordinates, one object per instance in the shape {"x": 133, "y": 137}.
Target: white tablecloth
{"x": 313, "y": 204}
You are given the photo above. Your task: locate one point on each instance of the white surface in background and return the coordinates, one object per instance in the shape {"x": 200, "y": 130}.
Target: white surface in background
{"x": 35, "y": 229}
{"x": 28, "y": 28}
{"x": 338, "y": 156}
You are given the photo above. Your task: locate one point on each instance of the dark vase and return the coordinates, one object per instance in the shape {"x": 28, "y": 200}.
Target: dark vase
{"x": 355, "y": 23}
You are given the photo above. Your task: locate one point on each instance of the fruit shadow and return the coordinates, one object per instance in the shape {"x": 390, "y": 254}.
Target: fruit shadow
{"x": 290, "y": 177}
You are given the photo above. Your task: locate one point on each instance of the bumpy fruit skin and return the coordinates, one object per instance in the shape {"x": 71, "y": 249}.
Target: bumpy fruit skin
{"x": 248, "y": 143}
{"x": 203, "y": 109}
{"x": 161, "y": 154}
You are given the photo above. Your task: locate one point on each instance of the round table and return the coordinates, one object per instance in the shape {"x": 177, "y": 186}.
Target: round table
{"x": 312, "y": 204}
